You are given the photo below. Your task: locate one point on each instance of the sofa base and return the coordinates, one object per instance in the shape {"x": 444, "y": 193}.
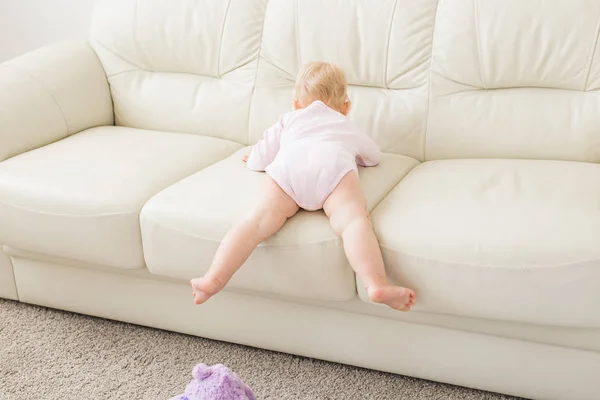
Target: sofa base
{"x": 8, "y": 288}
{"x": 479, "y": 361}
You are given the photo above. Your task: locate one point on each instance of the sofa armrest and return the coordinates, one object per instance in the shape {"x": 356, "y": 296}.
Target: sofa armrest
{"x": 49, "y": 94}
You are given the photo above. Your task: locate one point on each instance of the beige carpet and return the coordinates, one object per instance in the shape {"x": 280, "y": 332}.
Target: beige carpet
{"x": 48, "y": 354}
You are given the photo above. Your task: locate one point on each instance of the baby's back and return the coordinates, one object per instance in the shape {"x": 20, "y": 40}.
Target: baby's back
{"x": 318, "y": 147}
{"x": 317, "y": 128}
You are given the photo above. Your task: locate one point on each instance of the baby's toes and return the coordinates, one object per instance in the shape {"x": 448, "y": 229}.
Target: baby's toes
{"x": 412, "y": 298}
{"x": 200, "y": 298}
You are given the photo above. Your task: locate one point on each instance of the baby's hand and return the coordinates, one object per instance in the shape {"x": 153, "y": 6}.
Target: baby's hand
{"x": 245, "y": 158}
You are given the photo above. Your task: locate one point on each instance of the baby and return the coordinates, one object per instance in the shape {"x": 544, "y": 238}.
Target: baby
{"x": 311, "y": 157}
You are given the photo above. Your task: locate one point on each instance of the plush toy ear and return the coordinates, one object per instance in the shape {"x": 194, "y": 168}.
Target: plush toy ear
{"x": 201, "y": 372}
{"x": 249, "y": 394}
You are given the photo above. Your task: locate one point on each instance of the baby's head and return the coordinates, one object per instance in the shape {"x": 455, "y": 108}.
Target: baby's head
{"x": 325, "y": 82}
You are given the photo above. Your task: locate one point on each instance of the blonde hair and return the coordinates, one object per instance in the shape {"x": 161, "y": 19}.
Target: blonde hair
{"x": 322, "y": 81}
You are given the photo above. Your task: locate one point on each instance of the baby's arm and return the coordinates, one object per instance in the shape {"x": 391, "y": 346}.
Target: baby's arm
{"x": 369, "y": 153}
{"x": 263, "y": 153}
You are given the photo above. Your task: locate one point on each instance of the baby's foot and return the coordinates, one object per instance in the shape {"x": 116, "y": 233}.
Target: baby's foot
{"x": 396, "y": 297}
{"x": 204, "y": 288}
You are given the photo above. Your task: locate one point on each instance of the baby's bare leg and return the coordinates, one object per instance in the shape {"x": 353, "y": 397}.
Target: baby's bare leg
{"x": 347, "y": 211}
{"x": 264, "y": 219}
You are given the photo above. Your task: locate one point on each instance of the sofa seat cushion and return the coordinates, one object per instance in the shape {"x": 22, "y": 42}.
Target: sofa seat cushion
{"x": 80, "y": 198}
{"x": 514, "y": 240}
{"x": 183, "y": 226}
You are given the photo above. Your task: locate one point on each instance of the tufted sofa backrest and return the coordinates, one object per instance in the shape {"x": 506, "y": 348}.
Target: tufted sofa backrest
{"x": 515, "y": 79}
{"x": 458, "y": 79}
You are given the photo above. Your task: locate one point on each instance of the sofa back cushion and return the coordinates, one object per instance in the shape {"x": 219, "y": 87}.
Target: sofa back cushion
{"x": 226, "y": 68}
{"x": 181, "y": 65}
{"x": 428, "y": 79}
{"x": 384, "y": 47}
{"x": 515, "y": 79}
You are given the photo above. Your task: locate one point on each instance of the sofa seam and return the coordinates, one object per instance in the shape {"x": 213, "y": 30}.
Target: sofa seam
{"x": 67, "y": 215}
{"x": 260, "y": 46}
{"x": 278, "y": 68}
{"x": 508, "y": 88}
{"x": 149, "y": 71}
{"x": 467, "y": 265}
{"x": 297, "y": 34}
{"x": 126, "y": 72}
{"x": 404, "y": 91}
{"x": 478, "y": 39}
{"x": 593, "y": 55}
{"x": 462, "y": 84}
{"x": 159, "y": 224}
{"x": 45, "y": 88}
{"x": 395, "y": 185}
{"x": 141, "y": 69}
{"x": 387, "y": 53}
{"x": 429, "y": 89}
{"x": 221, "y": 39}
{"x": 96, "y": 42}
{"x": 15, "y": 281}
{"x": 135, "y": 32}
{"x": 108, "y": 85}
{"x": 12, "y": 268}
{"x": 242, "y": 65}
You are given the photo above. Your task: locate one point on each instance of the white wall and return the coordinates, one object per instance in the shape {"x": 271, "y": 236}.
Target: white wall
{"x": 28, "y": 24}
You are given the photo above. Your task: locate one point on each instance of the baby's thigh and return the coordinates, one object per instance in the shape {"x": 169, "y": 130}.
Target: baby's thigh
{"x": 272, "y": 199}
{"x": 346, "y": 202}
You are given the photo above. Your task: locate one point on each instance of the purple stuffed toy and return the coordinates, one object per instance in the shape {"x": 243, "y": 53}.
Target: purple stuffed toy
{"x": 216, "y": 382}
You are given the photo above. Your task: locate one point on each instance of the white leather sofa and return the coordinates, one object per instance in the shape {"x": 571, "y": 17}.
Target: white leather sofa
{"x": 120, "y": 171}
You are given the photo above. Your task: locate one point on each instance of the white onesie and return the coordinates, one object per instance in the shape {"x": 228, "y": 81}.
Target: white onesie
{"x": 310, "y": 150}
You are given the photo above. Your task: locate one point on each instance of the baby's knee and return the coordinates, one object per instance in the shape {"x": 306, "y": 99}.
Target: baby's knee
{"x": 349, "y": 218}
{"x": 264, "y": 217}
{"x": 361, "y": 218}
{"x": 358, "y": 212}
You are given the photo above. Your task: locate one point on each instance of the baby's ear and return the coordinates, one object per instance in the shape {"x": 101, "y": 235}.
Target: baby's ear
{"x": 297, "y": 105}
{"x": 346, "y": 107}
